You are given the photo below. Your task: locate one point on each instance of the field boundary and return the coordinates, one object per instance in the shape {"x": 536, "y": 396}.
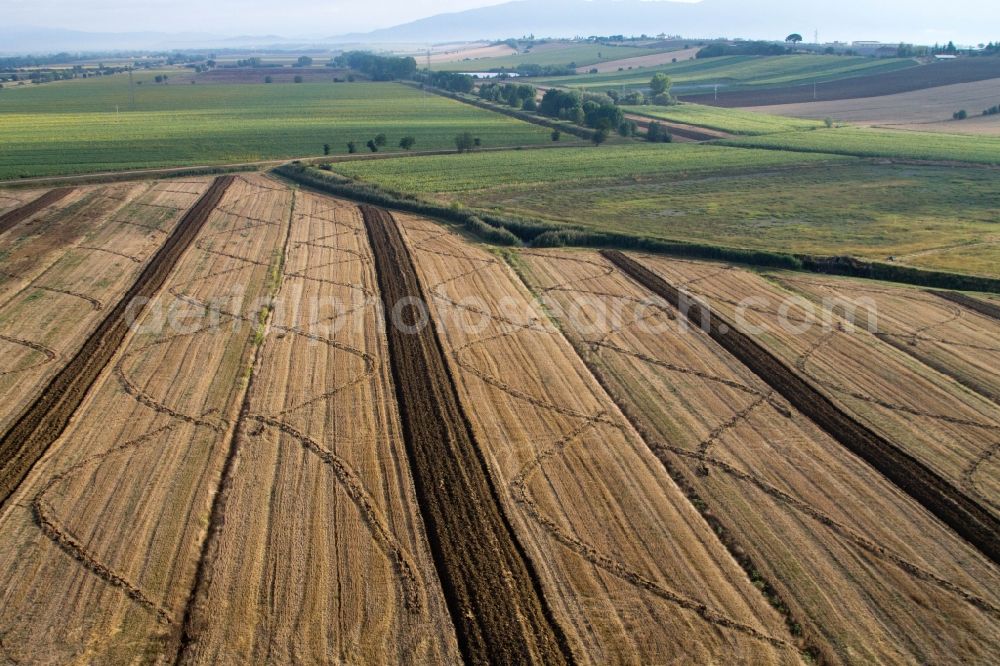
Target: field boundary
{"x": 11, "y": 218}
{"x": 960, "y": 512}
{"x": 492, "y": 592}
{"x": 44, "y": 421}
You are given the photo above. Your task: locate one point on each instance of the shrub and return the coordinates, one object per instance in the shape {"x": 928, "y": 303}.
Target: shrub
{"x": 960, "y": 115}
{"x": 372, "y": 146}
{"x": 352, "y": 147}
{"x": 657, "y": 133}
{"x": 380, "y": 140}
{"x": 464, "y": 142}
{"x": 407, "y": 142}
{"x": 556, "y": 135}
{"x": 297, "y": 79}
{"x": 828, "y": 122}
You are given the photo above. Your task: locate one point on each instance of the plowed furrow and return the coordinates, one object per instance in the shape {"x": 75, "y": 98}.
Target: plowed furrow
{"x": 46, "y": 418}
{"x": 492, "y": 594}
{"x": 961, "y": 512}
{"x": 975, "y": 304}
{"x": 9, "y": 219}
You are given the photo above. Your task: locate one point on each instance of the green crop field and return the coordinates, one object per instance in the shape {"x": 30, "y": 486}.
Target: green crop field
{"x": 90, "y": 125}
{"x": 733, "y": 121}
{"x": 551, "y": 54}
{"x": 560, "y": 168}
{"x": 736, "y": 72}
{"x": 704, "y": 193}
{"x": 865, "y": 142}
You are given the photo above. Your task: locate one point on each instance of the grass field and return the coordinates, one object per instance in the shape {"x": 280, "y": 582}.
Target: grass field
{"x": 899, "y": 144}
{"x": 733, "y": 121}
{"x": 74, "y": 127}
{"x": 928, "y": 216}
{"x": 735, "y": 72}
{"x": 549, "y": 54}
{"x": 564, "y": 168}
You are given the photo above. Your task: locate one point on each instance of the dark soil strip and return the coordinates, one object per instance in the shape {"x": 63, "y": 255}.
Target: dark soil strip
{"x": 46, "y": 418}
{"x": 963, "y": 514}
{"x": 985, "y": 308}
{"x": 10, "y": 218}
{"x": 963, "y": 70}
{"x": 493, "y": 595}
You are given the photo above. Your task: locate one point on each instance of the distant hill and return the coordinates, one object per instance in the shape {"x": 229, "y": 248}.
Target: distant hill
{"x": 886, "y": 20}
{"x": 39, "y": 40}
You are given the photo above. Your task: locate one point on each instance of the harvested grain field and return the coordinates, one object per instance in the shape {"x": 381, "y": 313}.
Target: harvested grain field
{"x": 928, "y": 416}
{"x": 68, "y": 272}
{"x": 578, "y": 484}
{"x": 11, "y": 199}
{"x": 317, "y": 550}
{"x": 101, "y": 542}
{"x": 26, "y": 209}
{"x": 824, "y": 550}
{"x": 925, "y": 110}
{"x": 651, "y": 60}
{"x": 949, "y": 336}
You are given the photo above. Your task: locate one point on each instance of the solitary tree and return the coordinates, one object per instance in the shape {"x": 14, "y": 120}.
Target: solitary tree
{"x": 406, "y": 143}
{"x": 372, "y": 146}
{"x": 298, "y": 79}
{"x": 326, "y": 149}
{"x": 556, "y": 135}
{"x": 380, "y": 140}
{"x": 660, "y": 85}
{"x": 268, "y": 79}
{"x": 304, "y": 61}
{"x": 464, "y": 142}
{"x": 352, "y": 147}
{"x": 794, "y": 38}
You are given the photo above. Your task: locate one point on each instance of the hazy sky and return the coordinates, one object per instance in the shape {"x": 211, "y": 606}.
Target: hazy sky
{"x": 323, "y": 18}
{"x": 287, "y": 17}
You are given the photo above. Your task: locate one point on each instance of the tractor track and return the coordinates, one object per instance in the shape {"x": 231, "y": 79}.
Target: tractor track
{"x": 96, "y": 305}
{"x": 411, "y": 583}
{"x": 46, "y": 418}
{"x": 492, "y": 592}
{"x": 11, "y": 218}
{"x": 967, "y": 516}
{"x": 49, "y": 523}
{"x": 518, "y": 485}
{"x": 705, "y": 461}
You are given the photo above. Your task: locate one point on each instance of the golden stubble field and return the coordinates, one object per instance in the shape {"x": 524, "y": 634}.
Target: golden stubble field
{"x": 929, "y": 415}
{"x": 838, "y": 543}
{"x": 64, "y": 269}
{"x": 239, "y": 483}
{"x": 632, "y": 572}
{"x": 322, "y": 554}
{"x": 100, "y": 543}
